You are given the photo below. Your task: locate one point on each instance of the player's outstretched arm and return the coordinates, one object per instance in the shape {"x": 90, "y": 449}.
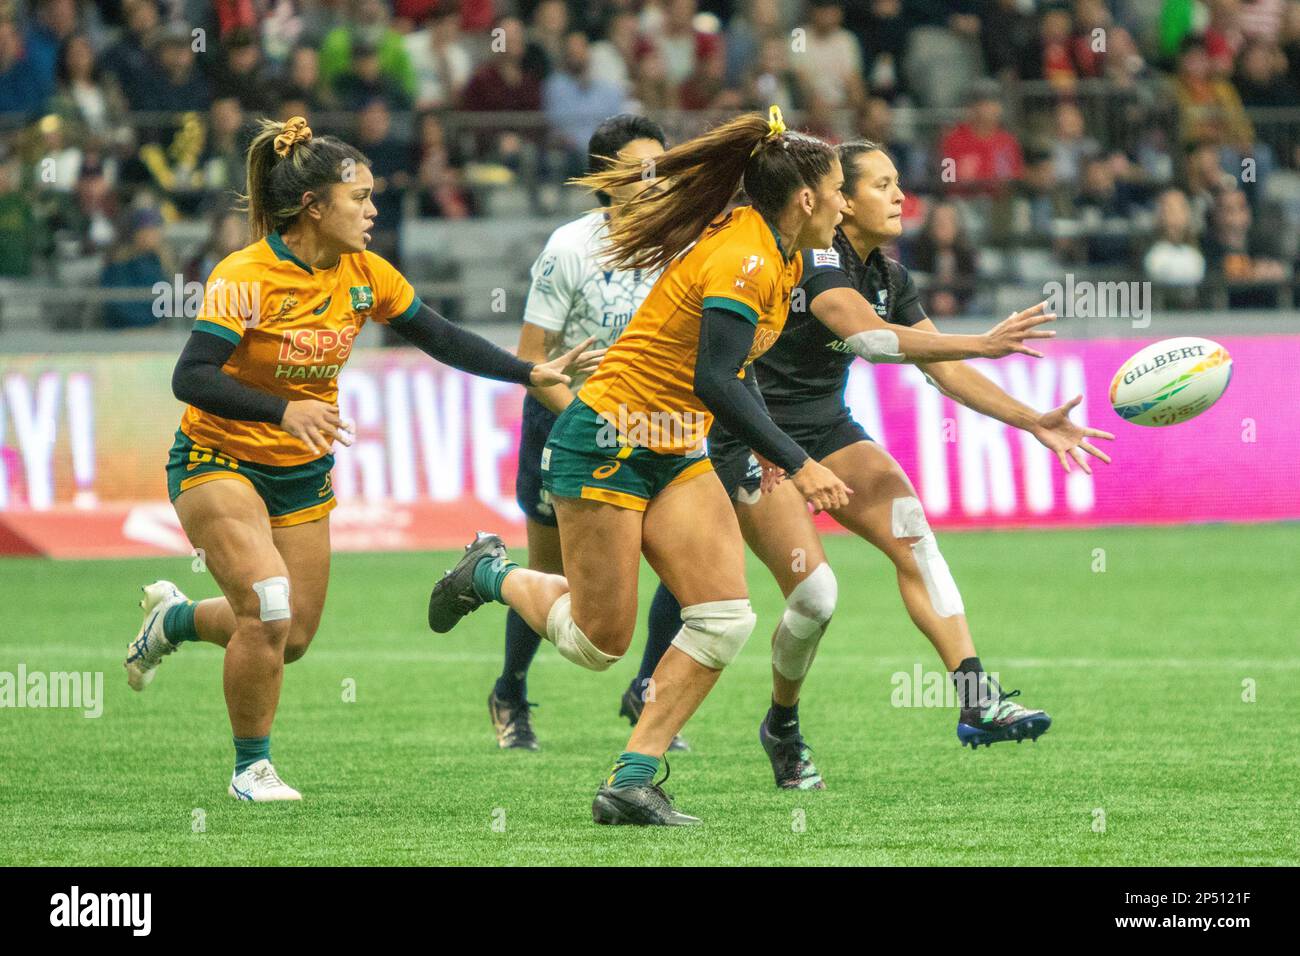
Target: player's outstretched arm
{"x": 725, "y": 341}
{"x": 850, "y": 316}
{"x": 450, "y": 344}
{"x": 1053, "y": 429}
{"x": 198, "y": 380}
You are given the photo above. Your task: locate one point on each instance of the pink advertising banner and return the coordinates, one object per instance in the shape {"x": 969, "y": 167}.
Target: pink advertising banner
{"x": 83, "y": 439}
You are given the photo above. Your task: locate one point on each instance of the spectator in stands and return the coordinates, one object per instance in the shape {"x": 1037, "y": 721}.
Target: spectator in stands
{"x": 223, "y": 161}
{"x": 980, "y": 156}
{"x": 1071, "y": 145}
{"x": 504, "y": 83}
{"x": 87, "y": 96}
{"x": 228, "y": 233}
{"x": 1089, "y": 46}
{"x": 1105, "y": 207}
{"x": 441, "y": 194}
{"x": 575, "y": 104}
{"x": 21, "y": 92}
{"x": 242, "y": 74}
{"x": 440, "y": 59}
{"x": 18, "y": 223}
{"x": 612, "y": 56}
{"x": 1204, "y": 179}
{"x": 366, "y": 80}
{"x": 947, "y": 258}
{"x": 1261, "y": 78}
{"x": 772, "y": 80}
{"x": 1010, "y": 40}
{"x": 876, "y": 123}
{"x": 304, "y": 83}
{"x": 548, "y": 33}
{"x": 1209, "y": 107}
{"x": 58, "y": 157}
{"x": 95, "y": 221}
{"x": 55, "y": 22}
{"x": 706, "y": 88}
{"x": 881, "y": 28}
{"x": 830, "y": 60}
{"x": 671, "y": 31}
{"x": 139, "y": 265}
{"x": 1045, "y": 201}
{"x": 369, "y": 28}
{"x": 177, "y": 85}
{"x": 388, "y": 163}
{"x": 748, "y": 29}
{"x": 651, "y": 91}
{"x": 128, "y": 59}
{"x": 1243, "y": 261}
{"x": 1174, "y": 258}
{"x": 1222, "y": 37}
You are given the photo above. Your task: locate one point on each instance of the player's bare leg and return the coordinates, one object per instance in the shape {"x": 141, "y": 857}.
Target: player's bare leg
{"x": 886, "y": 511}
{"x": 779, "y": 529}
{"x": 228, "y": 521}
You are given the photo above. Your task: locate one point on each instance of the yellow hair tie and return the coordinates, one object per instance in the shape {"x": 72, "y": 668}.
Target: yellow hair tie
{"x": 775, "y": 123}
{"x": 294, "y": 130}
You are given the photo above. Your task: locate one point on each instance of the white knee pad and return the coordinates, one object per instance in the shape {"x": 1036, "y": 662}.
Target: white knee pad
{"x": 908, "y": 520}
{"x": 571, "y": 642}
{"x": 712, "y": 634}
{"x": 808, "y": 611}
{"x": 273, "y": 598}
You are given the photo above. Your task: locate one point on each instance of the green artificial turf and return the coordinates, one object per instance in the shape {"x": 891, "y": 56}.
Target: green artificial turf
{"x": 1142, "y": 667}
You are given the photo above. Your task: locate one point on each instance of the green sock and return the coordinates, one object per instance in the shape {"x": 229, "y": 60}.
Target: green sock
{"x": 178, "y": 623}
{"x": 249, "y": 750}
{"x": 488, "y": 576}
{"x": 632, "y": 769}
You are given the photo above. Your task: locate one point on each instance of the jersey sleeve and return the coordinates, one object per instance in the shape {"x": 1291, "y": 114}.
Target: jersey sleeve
{"x": 555, "y": 276}
{"x": 738, "y": 281}
{"x": 907, "y": 308}
{"x": 395, "y": 298}
{"x": 822, "y": 270}
{"x": 230, "y": 302}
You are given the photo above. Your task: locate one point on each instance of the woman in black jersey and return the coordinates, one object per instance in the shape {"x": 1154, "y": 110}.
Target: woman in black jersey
{"x": 854, "y": 301}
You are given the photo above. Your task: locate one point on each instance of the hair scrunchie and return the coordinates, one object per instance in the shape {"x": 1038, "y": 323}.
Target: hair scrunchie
{"x": 295, "y": 130}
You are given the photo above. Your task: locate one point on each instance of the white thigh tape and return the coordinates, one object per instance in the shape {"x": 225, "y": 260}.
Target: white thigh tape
{"x": 908, "y": 518}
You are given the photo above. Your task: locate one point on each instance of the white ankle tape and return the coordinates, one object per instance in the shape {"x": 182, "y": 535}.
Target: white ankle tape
{"x": 569, "y": 640}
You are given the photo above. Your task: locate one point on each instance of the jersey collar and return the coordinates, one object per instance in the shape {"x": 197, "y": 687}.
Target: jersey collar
{"x": 282, "y": 251}
{"x": 779, "y": 247}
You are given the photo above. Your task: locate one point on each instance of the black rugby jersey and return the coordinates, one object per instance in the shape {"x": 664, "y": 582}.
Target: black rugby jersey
{"x": 809, "y": 363}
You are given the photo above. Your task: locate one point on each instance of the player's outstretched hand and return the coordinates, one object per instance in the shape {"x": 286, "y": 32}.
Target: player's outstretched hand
{"x": 579, "y": 360}
{"x": 1009, "y": 335}
{"x": 1056, "y": 432}
{"x": 317, "y": 424}
{"x": 820, "y": 486}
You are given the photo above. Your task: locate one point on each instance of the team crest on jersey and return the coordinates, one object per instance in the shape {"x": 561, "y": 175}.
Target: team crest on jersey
{"x": 882, "y": 305}
{"x": 825, "y": 257}
{"x": 362, "y": 297}
{"x": 287, "y": 303}
{"x": 751, "y": 264}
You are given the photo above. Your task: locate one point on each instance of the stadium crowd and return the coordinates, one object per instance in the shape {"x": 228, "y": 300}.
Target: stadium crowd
{"x": 1135, "y": 139}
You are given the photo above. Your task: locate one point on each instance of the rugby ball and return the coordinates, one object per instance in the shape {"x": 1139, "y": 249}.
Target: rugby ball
{"x": 1170, "y": 381}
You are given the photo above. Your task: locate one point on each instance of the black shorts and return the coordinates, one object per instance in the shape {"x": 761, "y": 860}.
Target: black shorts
{"x": 535, "y": 429}
{"x": 818, "y": 432}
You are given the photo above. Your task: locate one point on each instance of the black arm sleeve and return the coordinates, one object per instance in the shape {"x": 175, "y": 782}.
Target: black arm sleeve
{"x": 450, "y": 344}
{"x": 725, "y": 339}
{"x": 199, "y": 381}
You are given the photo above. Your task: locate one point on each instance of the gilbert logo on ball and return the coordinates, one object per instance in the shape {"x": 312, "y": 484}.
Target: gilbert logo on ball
{"x": 1170, "y": 381}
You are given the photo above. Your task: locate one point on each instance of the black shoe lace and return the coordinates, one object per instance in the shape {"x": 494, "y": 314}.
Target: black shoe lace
{"x": 1002, "y": 695}
{"x": 659, "y": 787}
{"x": 521, "y": 718}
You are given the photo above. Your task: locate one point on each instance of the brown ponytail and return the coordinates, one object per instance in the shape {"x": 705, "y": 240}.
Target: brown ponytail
{"x": 703, "y": 174}
{"x": 285, "y": 161}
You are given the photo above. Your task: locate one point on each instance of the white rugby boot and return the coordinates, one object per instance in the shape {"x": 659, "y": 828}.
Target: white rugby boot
{"x": 261, "y": 783}
{"x": 150, "y": 646}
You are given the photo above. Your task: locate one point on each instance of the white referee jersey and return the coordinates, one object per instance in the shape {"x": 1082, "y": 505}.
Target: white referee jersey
{"x": 574, "y": 293}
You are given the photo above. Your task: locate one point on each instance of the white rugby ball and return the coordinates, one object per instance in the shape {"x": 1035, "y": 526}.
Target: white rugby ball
{"x": 1171, "y": 381}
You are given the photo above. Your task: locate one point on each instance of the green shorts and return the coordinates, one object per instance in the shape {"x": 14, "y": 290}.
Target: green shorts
{"x": 294, "y": 494}
{"x": 576, "y": 463}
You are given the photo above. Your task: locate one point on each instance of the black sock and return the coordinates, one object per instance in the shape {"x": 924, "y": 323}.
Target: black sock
{"x": 664, "y": 621}
{"x": 968, "y": 678}
{"x": 521, "y": 645}
{"x": 783, "y": 721}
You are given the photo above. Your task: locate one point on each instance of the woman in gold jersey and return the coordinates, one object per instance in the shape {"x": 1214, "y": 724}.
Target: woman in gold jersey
{"x": 625, "y": 463}
{"x": 249, "y": 473}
